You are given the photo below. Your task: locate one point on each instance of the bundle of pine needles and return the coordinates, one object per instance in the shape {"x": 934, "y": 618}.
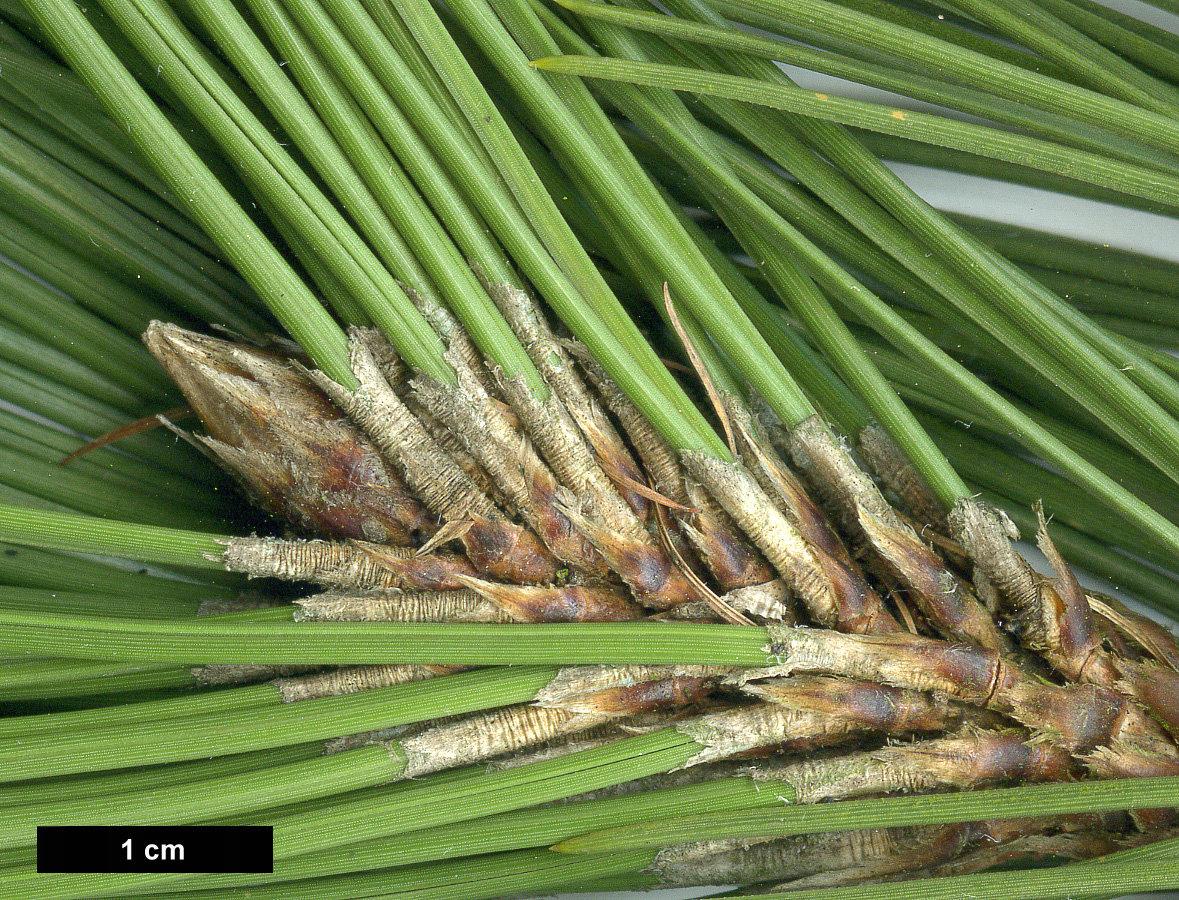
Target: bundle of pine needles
{"x": 633, "y": 463}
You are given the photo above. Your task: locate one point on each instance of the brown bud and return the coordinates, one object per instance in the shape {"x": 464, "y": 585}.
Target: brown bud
{"x": 1154, "y": 638}
{"x": 731, "y": 559}
{"x": 643, "y": 565}
{"x": 294, "y": 451}
{"x": 729, "y": 555}
{"x": 1113, "y": 735}
{"x": 1155, "y": 686}
{"x": 1071, "y": 635}
{"x": 483, "y": 427}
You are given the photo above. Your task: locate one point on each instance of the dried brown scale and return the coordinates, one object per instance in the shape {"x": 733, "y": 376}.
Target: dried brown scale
{"x": 522, "y": 477}
{"x": 1071, "y": 628}
{"x": 1153, "y": 685}
{"x": 669, "y": 488}
{"x": 1080, "y": 718}
{"x": 945, "y": 599}
{"x": 1113, "y": 639}
{"x": 560, "y": 442}
{"x": 660, "y": 463}
{"x": 659, "y": 719}
{"x": 282, "y": 438}
{"x": 349, "y": 564}
{"x": 900, "y": 602}
{"x": 1034, "y": 839}
{"x": 555, "y": 731}
{"x": 557, "y": 603}
{"x": 1022, "y": 852}
{"x": 732, "y": 559}
{"x": 738, "y": 732}
{"x": 724, "y": 550}
{"x": 838, "y": 856}
{"x": 403, "y": 439}
{"x": 1155, "y": 639}
{"x": 557, "y": 530}
{"x": 889, "y": 462}
{"x": 555, "y": 366}
{"x": 590, "y": 739}
{"x": 629, "y": 690}
{"x": 1111, "y": 823}
{"x": 1119, "y": 634}
{"x": 893, "y": 710}
{"x": 856, "y": 595}
{"x": 615, "y": 459}
{"x": 833, "y": 596}
{"x": 969, "y": 759}
{"x": 384, "y": 357}
{"x": 850, "y": 496}
{"x": 770, "y": 600}
{"x": 493, "y": 544}
{"x": 644, "y": 567}
{"x": 693, "y": 572}
{"x": 402, "y": 606}
{"x": 417, "y": 571}
{"x": 666, "y": 693}
{"x": 354, "y": 679}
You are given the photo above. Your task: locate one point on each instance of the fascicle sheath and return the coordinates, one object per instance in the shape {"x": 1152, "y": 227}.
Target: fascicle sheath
{"x": 971, "y": 758}
{"x": 401, "y": 606}
{"x": 352, "y": 564}
{"x": 833, "y": 594}
{"x": 493, "y": 544}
